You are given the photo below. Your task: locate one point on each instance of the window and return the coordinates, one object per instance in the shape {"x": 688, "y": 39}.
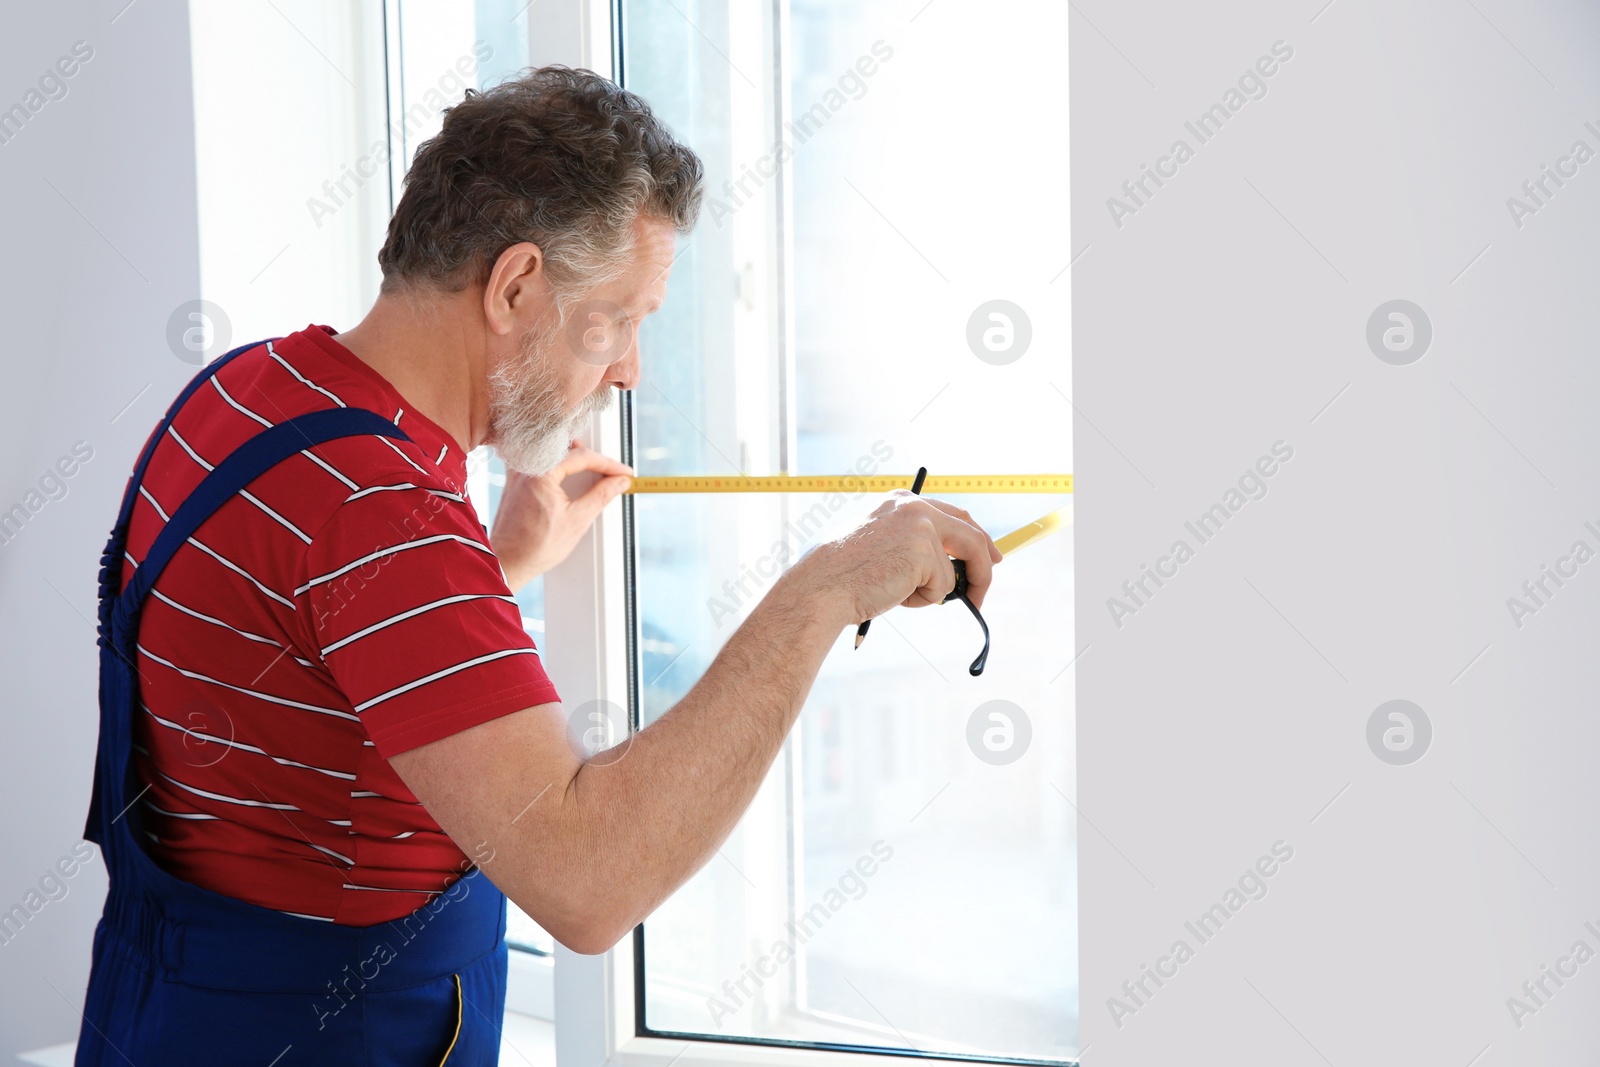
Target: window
{"x": 872, "y": 188}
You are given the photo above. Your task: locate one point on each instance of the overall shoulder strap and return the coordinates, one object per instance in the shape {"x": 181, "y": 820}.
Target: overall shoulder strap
{"x": 246, "y": 463}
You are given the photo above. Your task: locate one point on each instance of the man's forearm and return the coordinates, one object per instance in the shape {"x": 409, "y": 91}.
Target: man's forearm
{"x": 650, "y": 818}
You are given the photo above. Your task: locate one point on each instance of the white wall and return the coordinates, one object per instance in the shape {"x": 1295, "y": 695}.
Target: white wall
{"x": 100, "y": 246}
{"x": 1226, "y": 715}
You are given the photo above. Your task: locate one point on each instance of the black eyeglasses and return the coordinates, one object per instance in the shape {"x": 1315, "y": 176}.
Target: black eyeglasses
{"x": 960, "y": 593}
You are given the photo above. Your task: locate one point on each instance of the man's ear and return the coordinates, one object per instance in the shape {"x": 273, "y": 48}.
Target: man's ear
{"x": 518, "y": 289}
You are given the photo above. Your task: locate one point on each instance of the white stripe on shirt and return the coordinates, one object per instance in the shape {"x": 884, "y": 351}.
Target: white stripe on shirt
{"x": 332, "y": 853}
{"x": 159, "y": 595}
{"x": 206, "y": 738}
{"x": 399, "y": 453}
{"x": 159, "y": 509}
{"x": 382, "y": 889}
{"x": 232, "y": 566}
{"x": 268, "y": 697}
{"x": 403, "y": 485}
{"x": 236, "y": 405}
{"x": 227, "y": 799}
{"x": 302, "y": 378}
{"x": 291, "y": 527}
{"x": 391, "y": 550}
{"x": 325, "y": 465}
{"x": 180, "y": 814}
{"x": 436, "y": 675}
{"x": 306, "y": 452}
{"x": 404, "y": 615}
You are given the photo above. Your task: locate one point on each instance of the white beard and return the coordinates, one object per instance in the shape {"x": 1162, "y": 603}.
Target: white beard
{"x": 528, "y": 428}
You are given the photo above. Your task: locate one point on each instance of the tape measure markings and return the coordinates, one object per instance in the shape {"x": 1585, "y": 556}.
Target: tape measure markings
{"x": 850, "y": 483}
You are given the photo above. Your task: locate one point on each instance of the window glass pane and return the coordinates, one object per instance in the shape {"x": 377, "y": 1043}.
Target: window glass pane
{"x": 895, "y": 883}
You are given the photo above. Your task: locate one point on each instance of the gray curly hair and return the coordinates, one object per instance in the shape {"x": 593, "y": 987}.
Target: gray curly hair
{"x": 560, "y": 157}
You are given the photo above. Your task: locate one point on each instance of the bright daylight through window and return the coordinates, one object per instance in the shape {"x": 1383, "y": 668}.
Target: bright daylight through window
{"x": 875, "y": 285}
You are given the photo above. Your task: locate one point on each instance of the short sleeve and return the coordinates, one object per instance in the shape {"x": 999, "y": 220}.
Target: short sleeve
{"x": 409, "y": 610}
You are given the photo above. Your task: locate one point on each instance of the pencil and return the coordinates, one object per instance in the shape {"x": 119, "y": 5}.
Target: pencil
{"x": 916, "y": 490}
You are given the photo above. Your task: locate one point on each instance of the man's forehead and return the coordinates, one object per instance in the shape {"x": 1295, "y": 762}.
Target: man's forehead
{"x": 656, "y": 241}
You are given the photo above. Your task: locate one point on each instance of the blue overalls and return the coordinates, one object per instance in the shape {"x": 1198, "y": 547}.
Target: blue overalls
{"x": 185, "y": 976}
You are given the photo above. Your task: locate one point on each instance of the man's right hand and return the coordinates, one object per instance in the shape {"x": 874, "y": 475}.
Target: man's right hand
{"x": 900, "y": 556}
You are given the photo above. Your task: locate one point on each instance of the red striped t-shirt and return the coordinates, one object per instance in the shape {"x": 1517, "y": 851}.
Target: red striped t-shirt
{"x": 346, "y": 608}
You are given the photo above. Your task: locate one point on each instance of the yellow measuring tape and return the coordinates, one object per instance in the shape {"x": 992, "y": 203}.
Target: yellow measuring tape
{"x": 881, "y": 483}
{"x": 934, "y": 485}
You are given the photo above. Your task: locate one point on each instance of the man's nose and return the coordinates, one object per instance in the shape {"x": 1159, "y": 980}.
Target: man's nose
{"x": 625, "y": 372}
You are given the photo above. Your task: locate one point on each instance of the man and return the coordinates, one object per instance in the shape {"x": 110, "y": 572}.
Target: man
{"x": 335, "y": 729}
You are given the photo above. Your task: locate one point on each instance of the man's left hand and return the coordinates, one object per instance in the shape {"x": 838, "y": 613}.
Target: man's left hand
{"x": 538, "y": 523}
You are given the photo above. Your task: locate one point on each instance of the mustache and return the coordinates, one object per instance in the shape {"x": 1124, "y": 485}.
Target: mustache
{"x": 595, "y": 403}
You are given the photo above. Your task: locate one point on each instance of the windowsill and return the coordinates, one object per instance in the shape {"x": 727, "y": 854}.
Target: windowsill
{"x": 54, "y": 1056}
{"x": 529, "y": 1041}
{"x": 530, "y": 985}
